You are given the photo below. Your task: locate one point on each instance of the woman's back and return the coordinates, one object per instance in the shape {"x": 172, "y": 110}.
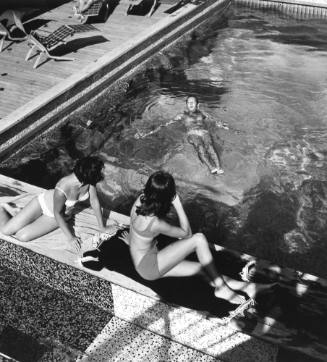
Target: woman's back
{"x": 142, "y": 235}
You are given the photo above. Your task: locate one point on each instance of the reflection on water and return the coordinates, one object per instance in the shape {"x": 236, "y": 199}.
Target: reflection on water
{"x": 263, "y": 75}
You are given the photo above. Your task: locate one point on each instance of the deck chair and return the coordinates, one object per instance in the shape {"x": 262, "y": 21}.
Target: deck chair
{"x": 45, "y": 44}
{"x": 94, "y": 10}
{"x": 10, "y": 20}
{"x": 132, "y": 3}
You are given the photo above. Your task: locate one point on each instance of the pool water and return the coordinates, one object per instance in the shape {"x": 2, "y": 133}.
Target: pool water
{"x": 265, "y": 76}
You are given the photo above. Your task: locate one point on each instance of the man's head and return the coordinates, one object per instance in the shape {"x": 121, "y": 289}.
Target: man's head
{"x": 192, "y": 103}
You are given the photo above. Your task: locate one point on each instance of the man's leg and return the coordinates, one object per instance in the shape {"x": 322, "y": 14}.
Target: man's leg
{"x": 211, "y": 151}
{"x": 198, "y": 144}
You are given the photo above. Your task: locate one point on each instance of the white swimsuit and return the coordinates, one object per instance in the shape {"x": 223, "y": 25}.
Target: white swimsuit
{"x": 46, "y": 201}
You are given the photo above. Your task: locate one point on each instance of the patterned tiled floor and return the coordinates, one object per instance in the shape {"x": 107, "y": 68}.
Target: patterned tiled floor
{"x": 53, "y": 311}
{"x": 123, "y": 341}
{"x": 37, "y": 320}
{"x": 39, "y": 323}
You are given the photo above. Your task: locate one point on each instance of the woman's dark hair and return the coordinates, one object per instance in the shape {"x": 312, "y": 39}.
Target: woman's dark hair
{"x": 158, "y": 195}
{"x": 88, "y": 170}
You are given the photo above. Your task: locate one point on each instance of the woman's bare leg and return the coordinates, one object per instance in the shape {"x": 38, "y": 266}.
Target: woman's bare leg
{"x": 41, "y": 226}
{"x": 175, "y": 253}
{"x": 4, "y": 217}
{"x": 27, "y": 215}
{"x": 171, "y": 263}
{"x": 228, "y": 288}
{"x": 184, "y": 269}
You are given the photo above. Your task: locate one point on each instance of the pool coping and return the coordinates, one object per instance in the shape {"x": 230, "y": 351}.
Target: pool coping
{"x": 309, "y": 8}
{"x": 313, "y": 3}
{"x": 72, "y": 93}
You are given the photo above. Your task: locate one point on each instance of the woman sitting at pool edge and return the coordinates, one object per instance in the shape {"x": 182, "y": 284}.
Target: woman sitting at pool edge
{"x": 147, "y": 222}
{"x": 50, "y": 209}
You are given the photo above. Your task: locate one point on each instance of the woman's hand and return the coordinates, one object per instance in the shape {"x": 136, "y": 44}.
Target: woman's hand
{"x": 112, "y": 228}
{"x": 125, "y": 237}
{"x": 75, "y": 243}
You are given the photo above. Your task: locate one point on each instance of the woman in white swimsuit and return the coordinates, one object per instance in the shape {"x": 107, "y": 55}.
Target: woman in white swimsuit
{"x": 147, "y": 222}
{"x": 50, "y": 209}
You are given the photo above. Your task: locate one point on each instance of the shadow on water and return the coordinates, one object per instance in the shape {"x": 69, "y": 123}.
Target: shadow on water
{"x": 304, "y": 35}
{"x": 169, "y": 71}
{"x": 285, "y": 226}
{"x": 274, "y": 26}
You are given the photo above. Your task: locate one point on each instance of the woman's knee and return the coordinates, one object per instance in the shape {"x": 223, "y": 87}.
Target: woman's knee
{"x": 23, "y": 236}
{"x": 150, "y": 277}
{"x": 5, "y": 231}
{"x": 200, "y": 239}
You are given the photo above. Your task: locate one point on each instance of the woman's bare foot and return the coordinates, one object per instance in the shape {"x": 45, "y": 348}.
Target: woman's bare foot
{"x": 11, "y": 210}
{"x": 227, "y": 289}
{"x": 231, "y": 296}
{"x": 253, "y": 288}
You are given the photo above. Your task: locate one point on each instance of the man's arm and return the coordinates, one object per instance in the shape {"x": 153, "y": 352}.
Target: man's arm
{"x": 218, "y": 123}
{"x": 140, "y": 134}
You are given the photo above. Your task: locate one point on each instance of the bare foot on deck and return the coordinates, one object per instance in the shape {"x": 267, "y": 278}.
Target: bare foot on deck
{"x": 253, "y": 288}
{"x": 225, "y": 291}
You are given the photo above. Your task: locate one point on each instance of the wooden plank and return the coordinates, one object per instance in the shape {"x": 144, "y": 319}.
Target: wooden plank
{"x": 116, "y": 30}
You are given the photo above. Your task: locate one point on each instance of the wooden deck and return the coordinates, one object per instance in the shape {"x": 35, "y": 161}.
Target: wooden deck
{"x": 21, "y": 83}
{"x": 32, "y": 100}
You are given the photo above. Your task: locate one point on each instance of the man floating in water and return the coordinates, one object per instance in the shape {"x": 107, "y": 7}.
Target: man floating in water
{"x": 197, "y": 134}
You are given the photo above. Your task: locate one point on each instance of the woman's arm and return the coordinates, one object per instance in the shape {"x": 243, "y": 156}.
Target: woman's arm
{"x": 59, "y": 211}
{"x": 182, "y": 231}
{"x": 183, "y": 219}
{"x": 95, "y": 204}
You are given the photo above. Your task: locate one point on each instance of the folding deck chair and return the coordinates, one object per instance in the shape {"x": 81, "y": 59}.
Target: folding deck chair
{"x": 10, "y": 20}
{"x": 45, "y": 44}
{"x": 133, "y": 3}
{"x": 93, "y": 11}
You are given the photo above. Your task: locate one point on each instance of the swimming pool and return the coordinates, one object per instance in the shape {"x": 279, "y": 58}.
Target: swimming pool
{"x": 261, "y": 73}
